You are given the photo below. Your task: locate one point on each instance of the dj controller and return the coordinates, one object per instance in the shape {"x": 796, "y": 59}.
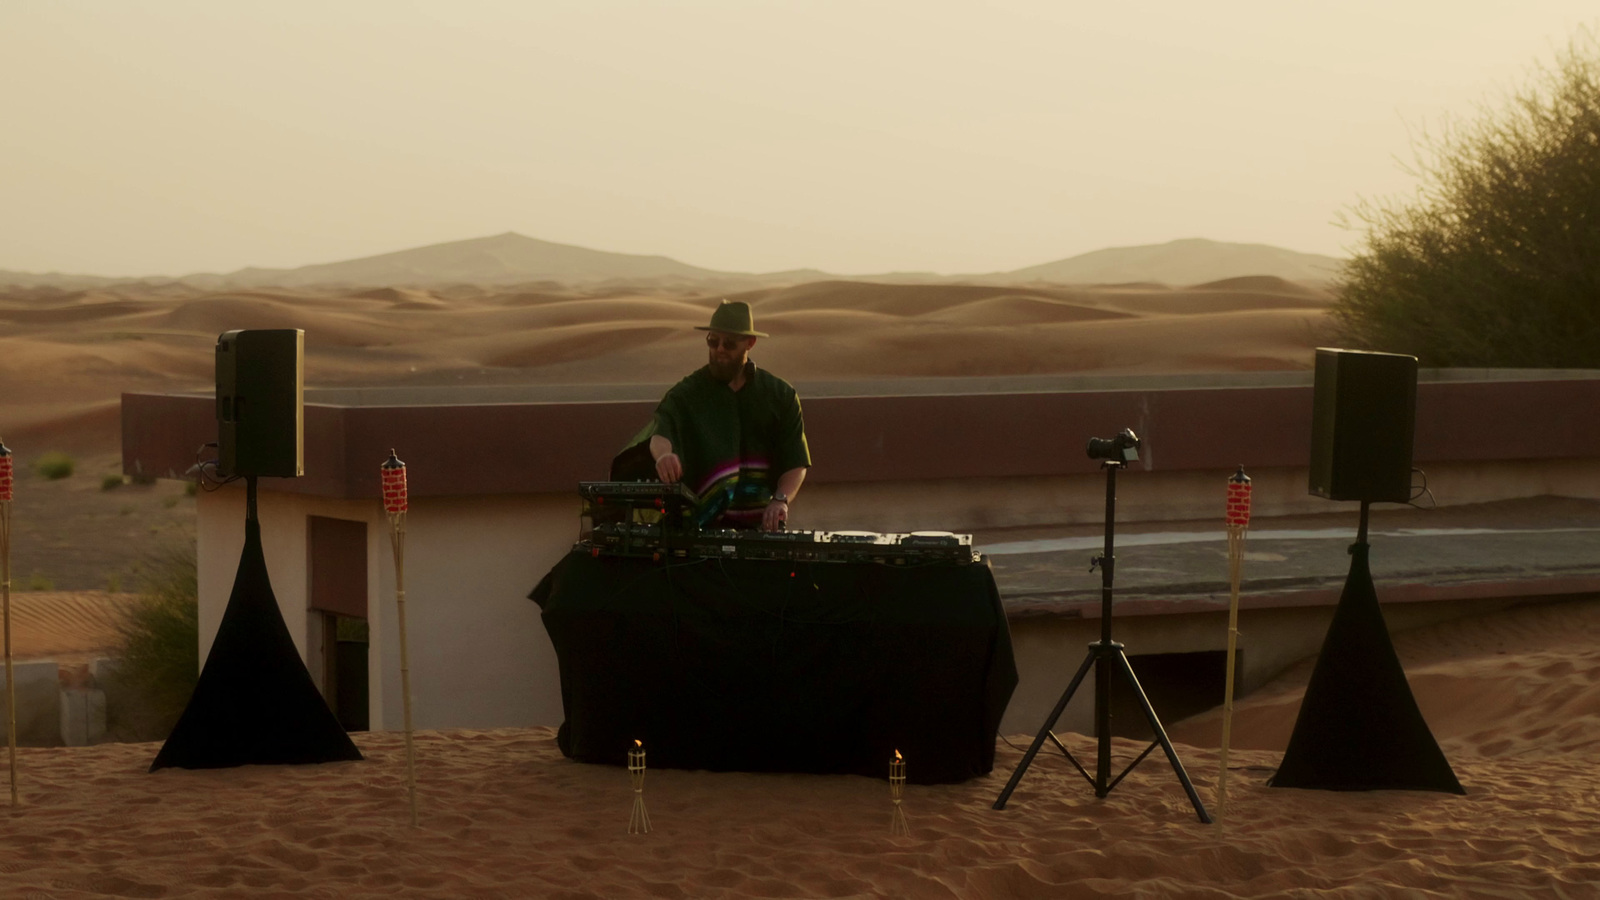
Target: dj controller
{"x": 617, "y": 531}
{"x": 654, "y": 542}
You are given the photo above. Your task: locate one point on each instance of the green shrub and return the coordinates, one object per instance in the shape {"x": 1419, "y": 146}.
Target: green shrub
{"x": 114, "y": 583}
{"x": 112, "y": 482}
{"x": 55, "y": 465}
{"x": 1494, "y": 260}
{"x": 160, "y": 655}
{"x": 191, "y": 489}
{"x": 37, "y": 582}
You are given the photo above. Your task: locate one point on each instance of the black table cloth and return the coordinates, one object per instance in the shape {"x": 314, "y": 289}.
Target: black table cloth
{"x": 759, "y": 665}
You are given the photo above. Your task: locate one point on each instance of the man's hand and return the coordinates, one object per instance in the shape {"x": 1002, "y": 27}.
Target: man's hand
{"x": 776, "y": 515}
{"x": 669, "y": 468}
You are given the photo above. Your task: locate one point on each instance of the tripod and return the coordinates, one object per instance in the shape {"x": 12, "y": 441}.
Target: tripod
{"x": 1106, "y": 656}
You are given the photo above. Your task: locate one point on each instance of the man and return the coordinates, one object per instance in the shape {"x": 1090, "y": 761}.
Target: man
{"x": 731, "y": 432}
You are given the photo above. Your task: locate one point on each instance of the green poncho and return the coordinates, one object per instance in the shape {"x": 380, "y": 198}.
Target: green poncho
{"x": 733, "y": 444}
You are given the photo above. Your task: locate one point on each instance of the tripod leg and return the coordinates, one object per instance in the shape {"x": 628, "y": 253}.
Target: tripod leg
{"x": 1161, "y": 736}
{"x": 1033, "y": 750}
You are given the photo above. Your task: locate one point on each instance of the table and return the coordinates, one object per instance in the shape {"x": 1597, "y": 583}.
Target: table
{"x": 763, "y": 665}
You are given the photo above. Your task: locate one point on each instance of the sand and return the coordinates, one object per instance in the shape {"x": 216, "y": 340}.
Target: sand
{"x": 504, "y": 815}
{"x": 1520, "y": 683}
{"x": 70, "y": 627}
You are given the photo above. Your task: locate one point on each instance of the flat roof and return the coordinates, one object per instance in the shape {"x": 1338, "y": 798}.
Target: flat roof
{"x": 1536, "y": 547}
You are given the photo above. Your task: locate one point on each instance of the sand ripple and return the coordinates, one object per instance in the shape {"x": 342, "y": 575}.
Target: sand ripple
{"x": 67, "y": 626}
{"x": 503, "y": 815}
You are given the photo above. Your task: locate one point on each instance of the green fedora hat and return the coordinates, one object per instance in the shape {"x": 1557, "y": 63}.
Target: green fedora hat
{"x": 733, "y": 317}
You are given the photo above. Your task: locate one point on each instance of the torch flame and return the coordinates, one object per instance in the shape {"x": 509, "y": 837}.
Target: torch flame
{"x": 897, "y": 755}
{"x": 638, "y": 743}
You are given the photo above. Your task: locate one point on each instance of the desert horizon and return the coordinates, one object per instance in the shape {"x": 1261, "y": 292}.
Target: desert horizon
{"x": 509, "y": 259}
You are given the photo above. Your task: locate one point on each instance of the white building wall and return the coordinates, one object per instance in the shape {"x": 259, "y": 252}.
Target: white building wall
{"x": 480, "y": 657}
{"x": 479, "y": 654}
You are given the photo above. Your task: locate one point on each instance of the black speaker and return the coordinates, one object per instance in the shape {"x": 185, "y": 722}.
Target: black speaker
{"x": 1364, "y": 408}
{"x": 260, "y": 402}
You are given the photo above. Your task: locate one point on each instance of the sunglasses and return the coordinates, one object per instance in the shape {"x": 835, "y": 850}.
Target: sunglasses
{"x": 727, "y": 343}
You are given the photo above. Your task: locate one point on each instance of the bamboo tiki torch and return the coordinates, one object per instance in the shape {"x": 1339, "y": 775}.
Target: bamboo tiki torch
{"x": 5, "y": 601}
{"x": 897, "y": 788}
{"x": 1238, "y": 518}
{"x": 395, "y": 503}
{"x": 639, "y": 819}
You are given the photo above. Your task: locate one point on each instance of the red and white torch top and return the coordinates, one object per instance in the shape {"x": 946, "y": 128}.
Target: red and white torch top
{"x": 5, "y": 473}
{"x": 395, "y": 499}
{"x": 1238, "y": 513}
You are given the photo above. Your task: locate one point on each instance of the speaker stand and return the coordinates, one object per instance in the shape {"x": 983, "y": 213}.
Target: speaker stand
{"x": 1106, "y": 656}
{"x": 1359, "y": 726}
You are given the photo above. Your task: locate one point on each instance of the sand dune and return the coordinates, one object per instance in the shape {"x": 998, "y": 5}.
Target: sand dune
{"x": 1269, "y": 284}
{"x": 895, "y": 299}
{"x": 573, "y": 342}
{"x": 70, "y": 314}
{"x": 67, "y": 626}
{"x": 513, "y": 298}
{"x": 620, "y": 310}
{"x": 1275, "y": 339}
{"x": 398, "y": 295}
{"x": 812, "y": 322}
{"x": 503, "y": 815}
{"x": 1198, "y": 302}
{"x": 423, "y": 305}
{"x": 214, "y": 315}
{"x": 83, "y": 427}
{"x": 1012, "y": 310}
{"x": 83, "y": 372}
{"x": 82, "y": 348}
{"x": 1525, "y": 682}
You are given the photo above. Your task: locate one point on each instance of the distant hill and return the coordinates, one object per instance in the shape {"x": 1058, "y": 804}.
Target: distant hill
{"x": 503, "y": 259}
{"x": 1183, "y": 262}
{"x": 9, "y": 279}
{"x": 512, "y": 258}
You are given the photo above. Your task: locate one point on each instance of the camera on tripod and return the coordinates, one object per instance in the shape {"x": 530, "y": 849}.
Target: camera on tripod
{"x": 1122, "y": 448}
{"x": 1107, "y": 658}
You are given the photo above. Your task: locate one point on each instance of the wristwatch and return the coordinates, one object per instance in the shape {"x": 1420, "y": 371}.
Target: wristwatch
{"x": 780, "y": 497}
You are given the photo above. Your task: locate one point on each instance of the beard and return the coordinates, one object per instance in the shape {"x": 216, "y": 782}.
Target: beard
{"x": 725, "y": 370}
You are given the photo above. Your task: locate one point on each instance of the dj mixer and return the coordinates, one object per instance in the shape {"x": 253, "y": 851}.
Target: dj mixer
{"x": 655, "y": 542}
{"x": 666, "y": 532}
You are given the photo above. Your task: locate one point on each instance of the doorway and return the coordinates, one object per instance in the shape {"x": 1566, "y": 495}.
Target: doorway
{"x": 337, "y": 633}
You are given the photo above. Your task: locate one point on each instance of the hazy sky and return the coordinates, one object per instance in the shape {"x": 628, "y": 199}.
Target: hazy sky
{"x": 860, "y": 136}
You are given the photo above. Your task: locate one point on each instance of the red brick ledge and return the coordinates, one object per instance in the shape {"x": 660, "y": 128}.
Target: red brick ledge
{"x": 547, "y": 447}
